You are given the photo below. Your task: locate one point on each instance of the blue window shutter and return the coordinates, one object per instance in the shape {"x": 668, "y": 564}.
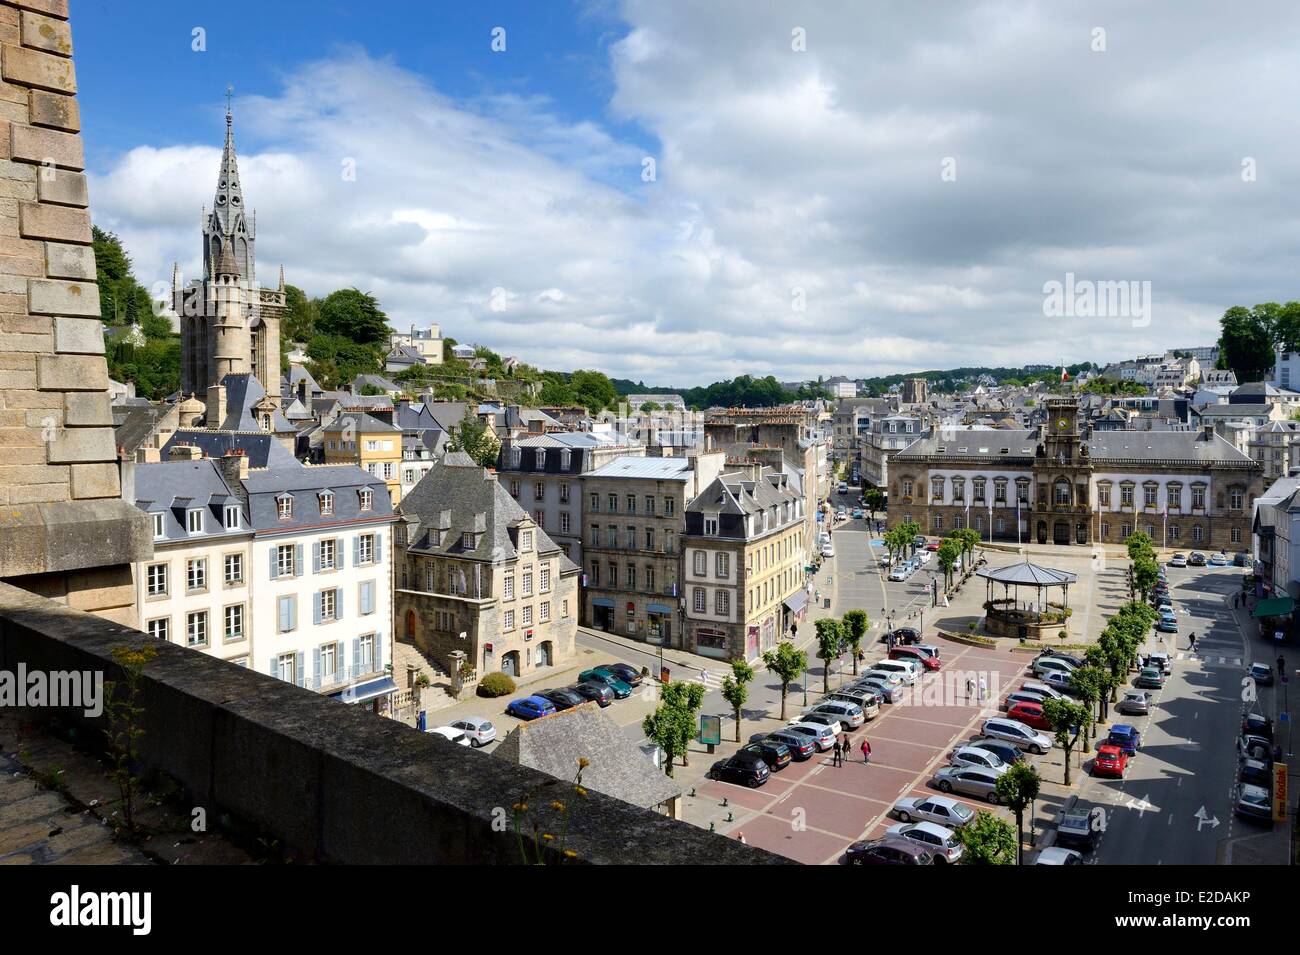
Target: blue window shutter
{"x": 284, "y": 614}
{"x": 338, "y": 603}
{"x": 356, "y": 655}
{"x": 315, "y": 557}
{"x": 379, "y": 653}
{"x": 340, "y": 554}
{"x": 297, "y": 560}
{"x": 316, "y": 613}
{"x": 379, "y": 546}
{"x": 275, "y": 667}
{"x": 298, "y": 673}
{"x": 368, "y": 597}
{"x": 315, "y": 664}
{"x": 356, "y": 550}
{"x": 274, "y": 567}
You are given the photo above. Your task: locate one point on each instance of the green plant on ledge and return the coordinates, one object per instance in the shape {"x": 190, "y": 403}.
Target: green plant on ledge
{"x": 533, "y": 851}
{"x": 124, "y": 712}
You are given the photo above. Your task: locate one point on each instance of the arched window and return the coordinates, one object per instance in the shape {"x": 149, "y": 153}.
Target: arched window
{"x": 1061, "y": 491}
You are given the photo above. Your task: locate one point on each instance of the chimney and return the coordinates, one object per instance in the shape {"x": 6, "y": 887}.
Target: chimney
{"x": 234, "y": 465}
{"x": 185, "y": 452}
{"x": 216, "y": 407}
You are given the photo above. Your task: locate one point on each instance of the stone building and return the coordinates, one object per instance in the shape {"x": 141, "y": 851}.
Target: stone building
{"x": 743, "y": 558}
{"x": 1184, "y": 488}
{"x": 230, "y": 325}
{"x": 477, "y": 575}
{"x": 65, "y": 532}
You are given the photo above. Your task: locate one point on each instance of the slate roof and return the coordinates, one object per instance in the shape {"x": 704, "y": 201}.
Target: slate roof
{"x": 133, "y": 423}
{"x": 359, "y": 422}
{"x": 375, "y": 381}
{"x": 243, "y": 392}
{"x": 174, "y": 487}
{"x": 457, "y": 497}
{"x": 655, "y": 469}
{"x": 263, "y": 450}
{"x": 1028, "y": 575}
{"x": 305, "y": 483}
{"x": 1165, "y": 445}
{"x": 616, "y": 766}
{"x": 289, "y": 384}
{"x": 1241, "y": 410}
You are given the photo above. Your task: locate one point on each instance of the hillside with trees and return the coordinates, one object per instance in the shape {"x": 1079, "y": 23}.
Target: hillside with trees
{"x": 149, "y": 356}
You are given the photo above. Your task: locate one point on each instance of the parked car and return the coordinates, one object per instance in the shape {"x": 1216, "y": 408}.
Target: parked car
{"x": 1250, "y": 746}
{"x": 1013, "y": 731}
{"x": 879, "y": 676}
{"x": 801, "y": 747}
{"x": 1049, "y": 692}
{"x": 477, "y": 730}
{"x": 1009, "y": 753}
{"x": 600, "y": 675}
{"x": 1163, "y": 602}
{"x": 1021, "y": 696}
{"x": 564, "y": 699}
{"x": 900, "y": 572}
{"x": 821, "y": 719}
{"x": 969, "y": 780}
{"x": 828, "y": 549}
{"x": 867, "y": 701}
{"x": 1126, "y": 737}
{"x": 885, "y": 560}
{"x": 908, "y": 670}
{"x": 849, "y": 715}
{"x": 599, "y": 692}
{"x": 1055, "y": 855}
{"x": 1241, "y": 559}
{"x": 530, "y": 707}
{"x": 744, "y": 769}
{"x": 1031, "y": 714}
{"x": 941, "y": 809}
{"x": 1135, "y": 703}
{"x": 1110, "y": 761}
{"x": 1150, "y": 678}
{"x": 446, "y": 732}
{"x": 1261, "y": 673}
{"x": 1074, "y": 661}
{"x": 939, "y": 840}
{"x": 1254, "y": 803}
{"x": 890, "y": 850}
{"x": 933, "y": 546}
{"x": 889, "y": 692}
{"x": 914, "y": 653}
{"x": 1255, "y": 772}
{"x": 1219, "y": 560}
{"x": 1061, "y": 682}
{"x": 1162, "y": 661}
{"x": 918, "y": 541}
{"x": 1178, "y": 560}
{"x": 1076, "y": 831}
{"x": 905, "y": 636}
{"x": 1257, "y": 724}
{"x": 774, "y": 753}
{"x": 1044, "y": 665}
{"x": 1196, "y": 560}
{"x": 857, "y": 513}
{"x": 625, "y": 672}
{"x": 974, "y": 756}
{"x": 923, "y": 556}
{"x": 822, "y": 736}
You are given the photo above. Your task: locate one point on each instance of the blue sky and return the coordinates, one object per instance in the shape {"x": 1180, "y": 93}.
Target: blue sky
{"x": 850, "y": 187}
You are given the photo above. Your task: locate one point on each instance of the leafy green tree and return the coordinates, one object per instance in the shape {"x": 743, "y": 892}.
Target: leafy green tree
{"x": 154, "y": 366}
{"x": 354, "y": 315}
{"x": 735, "y": 689}
{"x": 301, "y": 314}
{"x": 987, "y": 840}
{"x": 830, "y": 644}
{"x": 593, "y": 390}
{"x": 949, "y": 552}
{"x": 787, "y": 663}
{"x": 1246, "y": 341}
{"x": 875, "y": 500}
{"x": 1089, "y": 683}
{"x": 1017, "y": 789}
{"x": 472, "y": 437}
{"x": 672, "y": 725}
{"x": 968, "y": 539}
{"x": 1145, "y": 574}
{"x": 1065, "y": 715}
{"x": 854, "y": 628}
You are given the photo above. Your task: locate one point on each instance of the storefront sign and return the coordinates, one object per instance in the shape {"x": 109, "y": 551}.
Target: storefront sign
{"x": 1279, "y": 792}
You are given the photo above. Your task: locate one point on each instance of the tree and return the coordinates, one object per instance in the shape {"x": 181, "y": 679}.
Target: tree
{"x": 672, "y": 725}
{"x": 301, "y": 314}
{"x": 949, "y": 551}
{"x": 1017, "y": 788}
{"x": 1145, "y": 574}
{"x": 354, "y": 315}
{"x": 968, "y": 539}
{"x": 735, "y": 689}
{"x": 854, "y": 627}
{"x": 987, "y": 840}
{"x": 687, "y": 697}
{"x": 788, "y": 663}
{"x": 875, "y": 500}
{"x": 830, "y": 644}
{"x": 472, "y": 437}
{"x": 154, "y": 366}
{"x": 593, "y": 389}
{"x": 1089, "y": 683}
{"x": 1065, "y": 715}
{"x": 1246, "y": 339}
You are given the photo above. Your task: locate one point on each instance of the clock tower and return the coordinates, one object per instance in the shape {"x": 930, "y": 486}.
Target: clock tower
{"x": 1063, "y": 474}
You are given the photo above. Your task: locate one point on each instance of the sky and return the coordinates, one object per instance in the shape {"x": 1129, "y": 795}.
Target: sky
{"x": 680, "y": 192}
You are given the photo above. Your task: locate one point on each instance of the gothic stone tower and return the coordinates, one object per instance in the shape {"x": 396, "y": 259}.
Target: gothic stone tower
{"x": 229, "y": 324}
{"x": 1063, "y": 472}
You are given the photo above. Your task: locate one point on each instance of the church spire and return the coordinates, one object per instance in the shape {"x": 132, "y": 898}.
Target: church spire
{"x": 226, "y": 226}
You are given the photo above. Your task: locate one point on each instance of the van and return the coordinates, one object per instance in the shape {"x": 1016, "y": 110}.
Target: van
{"x": 844, "y": 487}
{"x": 866, "y": 702}
{"x": 1013, "y": 731}
{"x": 909, "y": 670}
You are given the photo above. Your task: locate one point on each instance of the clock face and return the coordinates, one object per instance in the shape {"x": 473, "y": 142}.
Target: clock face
{"x": 1062, "y": 425}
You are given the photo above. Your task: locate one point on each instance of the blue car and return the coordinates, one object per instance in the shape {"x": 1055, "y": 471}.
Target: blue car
{"x": 1167, "y": 625}
{"x": 1126, "y": 737}
{"x": 530, "y": 707}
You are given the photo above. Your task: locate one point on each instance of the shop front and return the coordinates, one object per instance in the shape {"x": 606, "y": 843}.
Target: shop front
{"x": 658, "y": 629}
{"x": 602, "y": 614}
{"x": 751, "y": 642}
{"x": 711, "y": 642}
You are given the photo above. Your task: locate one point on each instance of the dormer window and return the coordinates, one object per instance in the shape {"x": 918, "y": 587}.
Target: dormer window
{"x": 540, "y": 458}
{"x": 231, "y": 517}
{"x": 284, "y": 506}
{"x": 158, "y": 527}
{"x": 194, "y": 520}
{"x": 326, "y": 503}
{"x": 366, "y": 498}
{"x": 565, "y": 456}
{"x": 525, "y": 541}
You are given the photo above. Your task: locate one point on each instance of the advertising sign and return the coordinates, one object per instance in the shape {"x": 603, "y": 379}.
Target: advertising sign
{"x": 1279, "y": 792}
{"x": 710, "y": 730}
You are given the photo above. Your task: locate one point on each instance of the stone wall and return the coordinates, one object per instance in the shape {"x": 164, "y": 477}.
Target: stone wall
{"x": 64, "y": 531}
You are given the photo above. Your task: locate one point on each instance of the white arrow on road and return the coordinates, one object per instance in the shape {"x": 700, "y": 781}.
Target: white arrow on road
{"x": 1202, "y": 819}
{"x": 1141, "y": 806}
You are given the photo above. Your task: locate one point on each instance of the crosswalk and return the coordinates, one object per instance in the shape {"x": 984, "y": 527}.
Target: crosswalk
{"x": 1208, "y": 659}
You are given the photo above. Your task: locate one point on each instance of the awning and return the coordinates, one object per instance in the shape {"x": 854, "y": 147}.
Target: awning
{"x": 659, "y": 608}
{"x": 1273, "y": 607}
{"x": 366, "y": 691}
{"x": 602, "y": 602}
{"x": 797, "y": 602}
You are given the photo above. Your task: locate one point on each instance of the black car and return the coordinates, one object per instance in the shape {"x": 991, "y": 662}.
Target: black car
{"x": 599, "y": 692}
{"x": 1251, "y": 746}
{"x": 1255, "y": 772}
{"x": 776, "y": 755}
{"x": 1076, "y": 831}
{"x": 628, "y": 674}
{"x": 891, "y": 850}
{"x": 745, "y": 769}
{"x": 563, "y": 699}
{"x": 800, "y": 747}
{"x": 1009, "y": 753}
{"x": 1256, "y": 724}
{"x": 904, "y": 635}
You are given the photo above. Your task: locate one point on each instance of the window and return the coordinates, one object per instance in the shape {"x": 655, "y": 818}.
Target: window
{"x": 286, "y": 668}
{"x": 613, "y": 503}
{"x": 234, "y": 623}
{"x": 284, "y": 506}
{"x": 366, "y": 597}
{"x": 544, "y": 579}
{"x": 1236, "y": 535}
{"x": 1126, "y": 495}
{"x": 234, "y": 569}
{"x": 631, "y": 503}
{"x": 539, "y": 491}
{"x": 539, "y": 459}
{"x": 1173, "y": 532}
{"x": 650, "y": 578}
{"x": 514, "y": 488}
{"x": 631, "y": 576}
{"x": 328, "y": 604}
{"x": 595, "y": 573}
{"x": 1105, "y": 530}
{"x": 722, "y": 566}
{"x": 1198, "y": 533}
{"x": 526, "y": 618}
{"x": 722, "y": 602}
{"x": 539, "y": 518}
{"x": 157, "y": 580}
{"x": 544, "y": 611}
{"x": 1198, "y": 496}
{"x": 366, "y": 549}
{"x": 328, "y": 553}
{"x": 668, "y": 507}
{"x": 710, "y": 527}
{"x": 231, "y": 517}
{"x": 564, "y": 493}
{"x": 194, "y": 521}
{"x": 977, "y": 489}
{"x": 196, "y": 629}
{"x": 650, "y": 504}
{"x": 284, "y": 560}
{"x": 699, "y": 599}
{"x": 595, "y": 535}
{"x": 508, "y": 587}
{"x": 508, "y": 620}
{"x": 565, "y": 456}
{"x": 528, "y": 583}
{"x": 1061, "y": 492}
{"x": 526, "y": 541}
{"x": 196, "y": 574}
{"x": 326, "y": 503}
{"x": 631, "y": 537}
{"x": 564, "y": 610}
{"x": 1235, "y": 498}
{"x": 701, "y": 559}
{"x": 595, "y": 503}
{"x": 564, "y": 522}
{"x": 328, "y": 662}
{"x": 287, "y": 613}
{"x": 936, "y": 489}
{"x": 1175, "y": 494}
{"x": 1125, "y": 530}
{"x": 938, "y": 522}
{"x": 365, "y": 498}
{"x": 907, "y": 489}
{"x": 158, "y": 528}
{"x": 159, "y": 627}
{"x": 999, "y": 492}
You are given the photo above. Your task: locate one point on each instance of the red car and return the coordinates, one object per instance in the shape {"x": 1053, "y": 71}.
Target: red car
{"x": 933, "y": 545}
{"x": 911, "y": 653}
{"x": 1110, "y": 761}
{"x": 1031, "y": 714}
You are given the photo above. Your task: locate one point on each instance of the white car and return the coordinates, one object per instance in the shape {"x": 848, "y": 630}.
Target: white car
{"x": 940, "y": 840}
{"x": 1058, "y": 855}
{"x": 888, "y": 677}
{"x": 849, "y": 714}
{"x": 924, "y": 556}
{"x": 886, "y": 561}
{"x": 1014, "y": 731}
{"x": 828, "y": 549}
{"x": 974, "y": 756}
{"x": 447, "y": 732}
{"x": 908, "y": 670}
{"x": 901, "y": 572}
{"x": 1042, "y": 689}
{"x": 479, "y": 731}
{"x": 821, "y": 735}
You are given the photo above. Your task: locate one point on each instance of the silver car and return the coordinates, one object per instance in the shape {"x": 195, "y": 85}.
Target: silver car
{"x": 975, "y": 756}
{"x": 1014, "y": 731}
{"x": 940, "y": 809}
{"x": 889, "y": 692}
{"x": 479, "y": 731}
{"x": 823, "y": 736}
{"x": 940, "y": 840}
{"x": 1135, "y": 703}
{"x": 971, "y": 780}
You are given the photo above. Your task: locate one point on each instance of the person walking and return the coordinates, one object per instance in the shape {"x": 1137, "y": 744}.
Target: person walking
{"x": 866, "y": 751}
{"x": 1192, "y": 638}
{"x": 838, "y": 759}
{"x": 984, "y": 690}
{"x": 740, "y": 837}
{"x": 970, "y": 688}
{"x": 844, "y": 738}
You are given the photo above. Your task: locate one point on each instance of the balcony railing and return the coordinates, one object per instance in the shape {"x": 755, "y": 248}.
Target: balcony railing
{"x": 341, "y": 677}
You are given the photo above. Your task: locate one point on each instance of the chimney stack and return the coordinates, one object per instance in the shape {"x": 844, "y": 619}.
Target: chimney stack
{"x": 216, "y": 407}
{"x": 185, "y": 452}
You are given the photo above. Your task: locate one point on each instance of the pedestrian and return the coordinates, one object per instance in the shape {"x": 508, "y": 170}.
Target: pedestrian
{"x": 1192, "y": 637}
{"x": 866, "y": 750}
{"x": 845, "y": 738}
{"x": 984, "y": 690}
{"x": 970, "y": 688}
{"x": 837, "y": 759}
{"x": 740, "y": 837}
